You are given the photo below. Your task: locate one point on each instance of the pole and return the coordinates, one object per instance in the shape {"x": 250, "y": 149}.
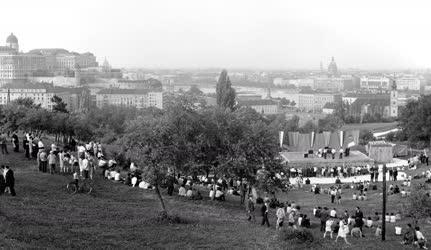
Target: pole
{"x": 384, "y": 204}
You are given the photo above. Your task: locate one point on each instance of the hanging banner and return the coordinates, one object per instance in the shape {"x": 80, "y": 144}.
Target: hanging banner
{"x": 303, "y": 143}
{"x": 341, "y": 138}
{"x": 334, "y": 141}
{"x": 312, "y": 139}
{"x": 355, "y": 134}
{"x": 281, "y": 137}
{"x": 327, "y": 137}
{"x": 319, "y": 142}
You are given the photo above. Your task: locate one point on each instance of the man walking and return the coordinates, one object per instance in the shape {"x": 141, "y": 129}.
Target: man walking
{"x": 250, "y": 209}
{"x": 3, "y": 144}
{"x": 265, "y": 210}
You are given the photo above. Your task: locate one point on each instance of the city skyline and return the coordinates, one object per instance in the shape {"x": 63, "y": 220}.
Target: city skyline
{"x": 239, "y": 35}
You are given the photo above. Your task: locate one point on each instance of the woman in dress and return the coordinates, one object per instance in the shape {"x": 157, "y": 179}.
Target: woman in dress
{"x": 343, "y": 231}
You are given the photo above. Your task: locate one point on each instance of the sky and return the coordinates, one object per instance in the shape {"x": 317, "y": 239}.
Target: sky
{"x": 266, "y": 34}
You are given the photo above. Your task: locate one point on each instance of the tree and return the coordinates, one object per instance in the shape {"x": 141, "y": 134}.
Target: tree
{"x": 330, "y": 123}
{"x": 415, "y": 120}
{"x": 420, "y": 202}
{"x": 365, "y": 136}
{"x": 194, "y": 90}
{"x": 284, "y": 102}
{"x": 147, "y": 142}
{"x": 59, "y": 105}
{"x": 225, "y": 92}
{"x": 308, "y": 127}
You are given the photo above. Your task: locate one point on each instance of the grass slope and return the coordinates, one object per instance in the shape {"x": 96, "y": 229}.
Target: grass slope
{"x": 43, "y": 215}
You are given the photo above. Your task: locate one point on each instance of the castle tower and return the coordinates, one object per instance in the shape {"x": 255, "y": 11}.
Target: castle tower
{"x": 12, "y": 42}
{"x": 332, "y": 68}
{"x": 394, "y": 100}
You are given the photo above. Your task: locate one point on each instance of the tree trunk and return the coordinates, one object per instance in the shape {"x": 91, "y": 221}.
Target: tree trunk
{"x": 159, "y": 195}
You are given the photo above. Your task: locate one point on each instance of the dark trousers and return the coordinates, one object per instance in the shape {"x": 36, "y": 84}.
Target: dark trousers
{"x": 170, "y": 190}
{"x": 322, "y": 226}
{"x": 44, "y": 166}
{"x": 332, "y": 198}
{"x": 11, "y": 189}
{"x": 27, "y": 153}
{"x": 265, "y": 220}
{"x": 52, "y": 168}
{"x": 4, "y": 149}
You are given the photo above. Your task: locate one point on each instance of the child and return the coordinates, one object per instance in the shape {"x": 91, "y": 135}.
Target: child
{"x": 328, "y": 228}
{"x": 378, "y": 231}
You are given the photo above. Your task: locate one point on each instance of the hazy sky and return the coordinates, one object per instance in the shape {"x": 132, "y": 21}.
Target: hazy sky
{"x": 231, "y": 34}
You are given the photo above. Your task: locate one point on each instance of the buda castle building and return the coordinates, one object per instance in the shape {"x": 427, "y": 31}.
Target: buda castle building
{"x": 16, "y": 66}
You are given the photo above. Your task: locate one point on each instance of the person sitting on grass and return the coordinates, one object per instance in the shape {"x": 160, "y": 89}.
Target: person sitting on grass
{"x": 219, "y": 195}
{"x": 369, "y": 223}
{"x": 189, "y": 193}
{"x": 378, "y": 231}
{"x": 305, "y": 222}
{"x": 356, "y": 232}
{"x": 182, "y": 191}
{"x": 409, "y": 235}
{"x": 420, "y": 239}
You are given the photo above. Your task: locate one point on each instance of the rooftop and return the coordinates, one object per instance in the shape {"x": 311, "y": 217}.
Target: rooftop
{"x": 113, "y": 91}
{"x": 257, "y": 102}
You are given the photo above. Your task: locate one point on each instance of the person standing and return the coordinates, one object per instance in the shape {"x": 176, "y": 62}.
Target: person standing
{"x": 343, "y": 230}
{"x": 281, "y": 214}
{"x": 26, "y": 147}
{"x": 2, "y": 181}
{"x": 15, "y": 142}
{"x": 9, "y": 179}
{"x": 43, "y": 161}
{"x": 324, "y": 215}
{"x": 51, "y": 161}
{"x": 264, "y": 210}
{"x": 359, "y": 216}
{"x": 333, "y": 194}
{"x": 250, "y": 209}
{"x": 395, "y": 174}
{"x": 3, "y": 145}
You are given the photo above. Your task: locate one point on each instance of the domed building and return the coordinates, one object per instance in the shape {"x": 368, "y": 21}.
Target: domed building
{"x": 332, "y": 68}
{"x": 12, "y": 42}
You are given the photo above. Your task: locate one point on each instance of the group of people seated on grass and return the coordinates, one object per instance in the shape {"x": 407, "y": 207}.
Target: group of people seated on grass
{"x": 338, "y": 171}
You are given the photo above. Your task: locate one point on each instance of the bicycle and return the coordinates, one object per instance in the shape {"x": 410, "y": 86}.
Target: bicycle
{"x": 84, "y": 186}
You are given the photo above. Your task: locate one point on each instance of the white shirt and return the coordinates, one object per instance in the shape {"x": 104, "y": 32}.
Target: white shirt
{"x": 333, "y": 213}
{"x": 117, "y": 177}
{"x": 218, "y": 194}
{"x": 280, "y": 213}
{"x": 419, "y": 235}
{"x": 85, "y": 165}
{"x": 40, "y": 144}
{"x": 182, "y": 191}
{"x": 189, "y": 193}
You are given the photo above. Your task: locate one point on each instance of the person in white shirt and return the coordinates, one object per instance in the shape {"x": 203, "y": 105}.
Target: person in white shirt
{"x": 333, "y": 213}
{"x": 117, "y": 176}
{"x": 219, "y": 195}
{"x": 420, "y": 238}
{"x": 85, "y": 168}
{"x": 189, "y": 193}
{"x": 40, "y": 146}
{"x": 342, "y": 232}
{"x": 281, "y": 214}
{"x": 328, "y": 228}
{"x": 182, "y": 191}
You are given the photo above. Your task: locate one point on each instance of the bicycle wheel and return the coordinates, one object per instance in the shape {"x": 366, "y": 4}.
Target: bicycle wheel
{"x": 87, "y": 187}
{"x": 71, "y": 188}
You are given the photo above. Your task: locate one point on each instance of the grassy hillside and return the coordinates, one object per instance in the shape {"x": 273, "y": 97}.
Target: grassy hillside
{"x": 43, "y": 215}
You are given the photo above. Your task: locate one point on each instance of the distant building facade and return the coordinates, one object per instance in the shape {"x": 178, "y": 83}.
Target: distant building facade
{"x": 266, "y": 107}
{"x": 316, "y": 101}
{"x": 138, "y": 98}
{"x": 408, "y": 83}
{"x": 375, "y": 83}
{"x": 16, "y": 66}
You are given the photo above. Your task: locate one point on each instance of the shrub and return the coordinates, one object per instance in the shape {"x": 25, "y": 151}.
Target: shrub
{"x": 165, "y": 218}
{"x": 299, "y": 236}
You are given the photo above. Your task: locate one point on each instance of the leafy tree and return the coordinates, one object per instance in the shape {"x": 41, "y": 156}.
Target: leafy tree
{"x": 293, "y": 103}
{"x": 195, "y": 91}
{"x": 415, "y": 119}
{"x": 330, "y": 123}
{"x": 308, "y": 127}
{"x": 284, "y": 102}
{"x": 225, "y": 92}
{"x": 365, "y": 136}
{"x": 420, "y": 202}
{"x": 59, "y": 105}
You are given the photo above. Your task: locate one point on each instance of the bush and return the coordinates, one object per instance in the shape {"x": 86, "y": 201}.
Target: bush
{"x": 164, "y": 218}
{"x": 299, "y": 236}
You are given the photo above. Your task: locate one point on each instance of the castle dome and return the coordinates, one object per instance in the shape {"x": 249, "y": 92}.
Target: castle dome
{"x": 11, "y": 39}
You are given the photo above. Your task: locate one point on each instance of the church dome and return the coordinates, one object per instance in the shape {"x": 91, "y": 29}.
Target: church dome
{"x": 11, "y": 39}
{"x": 332, "y": 68}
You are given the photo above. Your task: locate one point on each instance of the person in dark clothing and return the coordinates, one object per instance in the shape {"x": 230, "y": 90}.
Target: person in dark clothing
{"x": 9, "y": 179}
{"x": 359, "y": 220}
{"x": 2, "y": 182}
{"x": 26, "y": 147}
{"x": 170, "y": 183}
{"x": 324, "y": 215}
{"x": 264, "y": 210}
{"x": 15, "y": 142}
{"x": 395, "y": 173}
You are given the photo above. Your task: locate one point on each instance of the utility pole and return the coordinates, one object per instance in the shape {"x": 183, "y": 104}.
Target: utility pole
{"x": 384, "y": 204}
{"x": 382, "y": 153}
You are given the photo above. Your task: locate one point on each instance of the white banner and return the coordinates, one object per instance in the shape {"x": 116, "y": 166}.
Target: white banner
{"x": 281, "y": 135}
